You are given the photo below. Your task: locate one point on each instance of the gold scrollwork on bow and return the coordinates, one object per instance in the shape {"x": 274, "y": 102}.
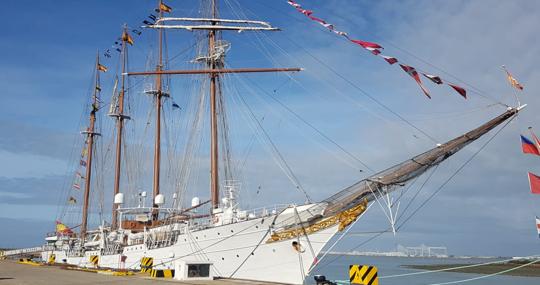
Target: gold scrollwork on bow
{"x": 344, "y": 219}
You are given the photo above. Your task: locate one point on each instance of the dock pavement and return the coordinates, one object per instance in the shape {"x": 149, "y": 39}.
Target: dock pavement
{"x": 12, "y": 273}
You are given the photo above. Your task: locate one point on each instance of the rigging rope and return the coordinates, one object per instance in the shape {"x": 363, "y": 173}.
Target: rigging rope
{"x": 277, "y": 154}
{"x": 457, "y": 171}
{"x": 429, "y": 198}
{"x": 348, "y": 153}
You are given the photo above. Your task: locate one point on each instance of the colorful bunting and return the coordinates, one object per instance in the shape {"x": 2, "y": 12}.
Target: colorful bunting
{"x": 164, "y": 8}
{"x": 101, "y": 67}
{"x": 512, "y": 80}
{"x": 414, "y": 74}
{"x": 174, "y": 105}
{"x": 79, "y": 175}
{"x": 83, "y": 163}
{"x": 534, "y": 183}
{"x": 389, "y": 59}
{"x": 365, "y": 44}
{"x": 76, "y": 186}
{"x": 72, "y": 200}
{"x": 127, "y": 38}
{"x": 376, "y": 48}
{"x": 459, "y": 90}
{"x": 434, "y": 78}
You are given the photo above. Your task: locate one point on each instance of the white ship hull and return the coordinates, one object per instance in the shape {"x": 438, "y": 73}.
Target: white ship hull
{"x": 238, "y": 250}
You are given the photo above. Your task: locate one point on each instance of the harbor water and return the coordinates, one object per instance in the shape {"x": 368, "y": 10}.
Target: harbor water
{"x": 338, "y": 269}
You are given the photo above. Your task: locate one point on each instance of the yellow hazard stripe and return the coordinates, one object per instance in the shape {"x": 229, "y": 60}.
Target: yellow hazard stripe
{"x": 363, "y": 274}
{"x": 162, "y": 273}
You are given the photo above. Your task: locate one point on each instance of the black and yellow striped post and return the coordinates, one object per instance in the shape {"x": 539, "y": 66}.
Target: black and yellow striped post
{"x": 162, "y": 273}
{"x": 51, "y": 259}
{"x": 146, "y": 264}
{"x": 363, "y": 274}
{"x": 94, "y": 259}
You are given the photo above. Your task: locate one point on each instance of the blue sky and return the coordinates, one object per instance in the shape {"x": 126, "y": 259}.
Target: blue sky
{"x": 46, "y": 72}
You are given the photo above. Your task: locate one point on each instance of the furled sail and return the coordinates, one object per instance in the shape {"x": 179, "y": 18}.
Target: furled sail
{"x": 390, "y": 179}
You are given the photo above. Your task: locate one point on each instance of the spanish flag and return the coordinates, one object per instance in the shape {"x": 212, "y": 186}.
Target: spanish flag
{"x": 164, "y": 8}
{"x": 127, "y": 38}
{"x": 512, "y": 80}
{"x": 62, "y": 229}
{"x": 101, "y": 67}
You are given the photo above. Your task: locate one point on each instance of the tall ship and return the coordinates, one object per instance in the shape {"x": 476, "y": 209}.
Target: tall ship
{"x": 143, "y": 149}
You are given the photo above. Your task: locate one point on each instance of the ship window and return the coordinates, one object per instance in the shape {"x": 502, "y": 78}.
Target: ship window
{"x": 196, "y": 237}
{"x": 232, "y": 231}
{"x": 237, "y": 255}
{"x": 223, "y": 258}
{"x": 256, "y": 227}
{"x": 198, "y": 270}
{"x": 218, "y": 234}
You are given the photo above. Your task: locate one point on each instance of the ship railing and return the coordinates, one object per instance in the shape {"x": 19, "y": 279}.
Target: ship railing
{"x": 266, "y": 211}
{"x": 77, "y": 252}
{"x": 49, "y": 247}
{"x": 162, "y": 239}
{"x": 112, "y": 249}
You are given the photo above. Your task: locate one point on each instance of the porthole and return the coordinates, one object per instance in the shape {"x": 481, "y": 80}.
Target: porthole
{"x": 223, "y": 258}
{"x": 218, "y": 234}
{"x": 237, "y": 255}
{"x": 232, "y": 231}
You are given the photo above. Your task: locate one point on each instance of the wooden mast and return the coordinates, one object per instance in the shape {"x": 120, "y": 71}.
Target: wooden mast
{"x": 119, "y": 129}
{"x": 90, "y": 133}
{"x": 214, "y": 70}
{"x": 214, "y": 174}
{"x": 158, "y": 94}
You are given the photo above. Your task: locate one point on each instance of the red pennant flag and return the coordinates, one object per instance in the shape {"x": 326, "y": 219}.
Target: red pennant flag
{"x": 317, "y": 19}
{"x": 434, "y": 78}
{"x": 328, "y": 26}
{"x": 534, "y": 182}
{"x": 305, "y": 12}
{"x": 389, "y": 59}
{"x": 374, "y": 50}
{"x": 459, "y": 90}
{"x": 412, "y": 72}
{"x": 294, "y": 4}
{"x": 366, "y": 44}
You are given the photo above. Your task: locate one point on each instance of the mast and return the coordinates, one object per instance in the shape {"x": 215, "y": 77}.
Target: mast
{"x": 215, "y": 67}
{"x": 119, "y": 114}
{"x": 158, "y": 94}
{"x": 214, "y": 175}
{"x": 90, "y": 133}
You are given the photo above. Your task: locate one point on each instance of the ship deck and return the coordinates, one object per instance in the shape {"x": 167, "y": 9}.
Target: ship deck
{"x": 12, "y": 272}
